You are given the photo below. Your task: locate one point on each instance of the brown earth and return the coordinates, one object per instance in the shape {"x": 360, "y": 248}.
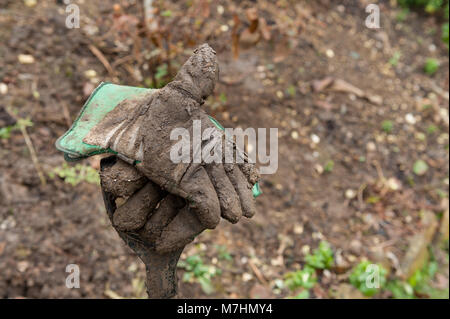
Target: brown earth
{"x": 367, "y": 206}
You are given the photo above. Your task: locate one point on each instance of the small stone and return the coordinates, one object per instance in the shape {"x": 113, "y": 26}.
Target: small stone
{"x": 298, "y": 229}
{"x": 25, "y": 58}
{"x": 350, "y": 194}
{"x": 319, "y": 168}
{"x": 317, "y": 236}
{"x": 246, "y": 277}
{"x": 376, "y": 99}
{"x": 330, "y": 53}
{"x": 3, "y": 88}
{"x": 294, "y": 135}
{"x": 315, "y": 139}
{"x": 22, "y": 266}
{"x": 224, "y": 28}
{"x": 394, "y": 184}
{"x": 220, "y": 9}
{"x": 305, "y": 250}
{"x": 280, "y": 94}
{"x": 30, "y": 3}
{"x": 410, "y": 119}
{"x": 371, "y": 147}
{"x": 276, "y": 262}
{"x": 90, "y": 74}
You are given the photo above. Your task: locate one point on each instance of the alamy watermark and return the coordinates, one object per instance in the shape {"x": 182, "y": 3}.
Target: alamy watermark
{"x": 227, "y": 147}
{"x": 73, "y": 279}
{"x": 373, "y": 276}
{"x": 373, "y": 19}
{"x": 72, "y": 15}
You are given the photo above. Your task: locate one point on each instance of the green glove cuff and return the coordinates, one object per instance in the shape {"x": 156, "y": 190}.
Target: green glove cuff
{"x": 103, "y": 100}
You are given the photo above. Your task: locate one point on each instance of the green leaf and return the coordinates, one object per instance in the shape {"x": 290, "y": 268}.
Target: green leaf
{"x": 206, "y": 285}
{"x": 387, "y": 126}
{"x": 302, "y": 295}
{"x": 363, "y": 277}
{"x": 166, "y": 13}
{"x": 420, "y": 167}
{"x": 329, "y": 166}
{"x": 431, "y": 66}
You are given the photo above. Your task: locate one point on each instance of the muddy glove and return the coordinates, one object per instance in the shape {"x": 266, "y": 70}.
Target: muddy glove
{"x": 155, "y": 224}
{"x": 140, "y": 132}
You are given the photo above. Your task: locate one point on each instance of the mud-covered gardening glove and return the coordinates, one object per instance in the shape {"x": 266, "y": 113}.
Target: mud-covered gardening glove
{"x": 140, "y": 131}
{"x": 155, "y": 224}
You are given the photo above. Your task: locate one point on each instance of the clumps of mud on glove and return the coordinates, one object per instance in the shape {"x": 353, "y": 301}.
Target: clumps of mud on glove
{"x": 121, "y": 179}
{"x": 199, "y": 74}
{"x": 133, "y": 214}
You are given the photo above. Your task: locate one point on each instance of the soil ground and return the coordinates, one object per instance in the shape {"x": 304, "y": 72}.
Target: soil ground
{"x": 341, "y": 177}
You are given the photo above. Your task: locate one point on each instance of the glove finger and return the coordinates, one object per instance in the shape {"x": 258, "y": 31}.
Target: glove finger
{"x": 199, "y": 73}
{"x": 133, "y": 214}
{"x": 161, "y": 217}
{"x": 243, "y": 189}
{"x": 202, "y": 196}
{"x": 250, "y": 171}
{"x": 181, "y": 231}
{"x": 230, "y": 205}
{"x": 121, "y": 179}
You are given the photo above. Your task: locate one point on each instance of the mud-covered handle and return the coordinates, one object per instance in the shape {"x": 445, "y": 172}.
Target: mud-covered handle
{"x": 162, "y": 281}
{"x": 161, "y": 270}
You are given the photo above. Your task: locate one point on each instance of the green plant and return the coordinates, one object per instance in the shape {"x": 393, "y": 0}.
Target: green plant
{"x": 418, "y": 284}
{"x": 402, "y": 15}
{"x": 368, "y": 277}
{"x": 400, "y": 289}
{"x": 322, "y": 257}
{"x": 305, "y": 278}
{"x": 291, "y": 90}
{"x": 395, "y": 58}
{"x": 223, "y": 98}
{"x": 74, "y": 175}
{"x": 166, "y": 13}
{"x": 329, "y": 166}
{"x": 431, "y": 66}
{"x": 197, "y": 271}
{"x": 304, "y": 294}
{"x": 432, "y": 7}
{"x": 432, "y": 129}
{"x": 387, "y": 126}
{"x": 161, "y": 73}
{"x": 445, "y": 25}
{"x": 222, "y": 253}
{"x": 5, "y": 132}
{"x": 420, "y": 167}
